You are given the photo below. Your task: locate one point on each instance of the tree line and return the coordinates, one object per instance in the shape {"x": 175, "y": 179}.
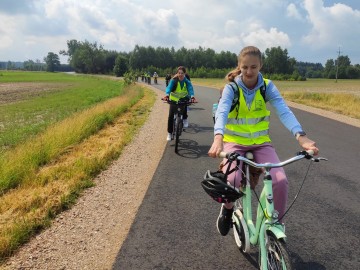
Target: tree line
{"x": 92, "y": 58}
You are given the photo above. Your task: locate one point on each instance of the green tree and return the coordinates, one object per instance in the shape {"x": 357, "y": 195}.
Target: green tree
{"x": 329, "y": 70}
{"x": 87, "y": 57}
{"x": 72, "y": 45}
{"x": 276, "y": 60}
{"x": 10, "y": 65}
{"x": 121, "y": 66}
{"x": 353, "y": 72}
{"x": 343, "y": 63}
{"x": 29, "y": 65}
{"x": 52, "y": 62}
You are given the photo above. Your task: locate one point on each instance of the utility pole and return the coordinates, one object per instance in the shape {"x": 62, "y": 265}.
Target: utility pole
{"x": 337, "y": 64}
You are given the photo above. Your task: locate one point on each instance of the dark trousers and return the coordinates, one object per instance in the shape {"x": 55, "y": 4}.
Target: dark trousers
{"x": 172, "y": 110}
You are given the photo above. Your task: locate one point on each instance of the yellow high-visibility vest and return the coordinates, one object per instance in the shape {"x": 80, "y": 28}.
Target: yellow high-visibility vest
{"x": 179, "y": 92}
{"x": 248, "y": 126}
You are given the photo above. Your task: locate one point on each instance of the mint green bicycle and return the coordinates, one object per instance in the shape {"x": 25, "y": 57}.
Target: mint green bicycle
{"x": 268, "y": 232}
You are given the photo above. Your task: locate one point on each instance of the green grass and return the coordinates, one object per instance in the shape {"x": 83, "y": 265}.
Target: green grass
{"x": 345, "y": 104}
{"x": 28, "y": 76}
{"x": 341, "y": 97}
{"x": 26, "y": 141}
{"x": 58, "y": 164}
{"x": 28, "y": 117}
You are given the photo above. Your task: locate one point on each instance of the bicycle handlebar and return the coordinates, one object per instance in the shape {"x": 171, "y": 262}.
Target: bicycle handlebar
{"x": 187, "y": 102}
{"x": 300, "y": 155}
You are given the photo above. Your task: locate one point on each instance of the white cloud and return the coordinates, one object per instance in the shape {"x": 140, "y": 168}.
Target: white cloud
{"x": 159, "y": 27}
{"x": 309, "y": 29}
{"x": 266, "y": 39}
{"x": 331, "y": 25}
{"x": 293, "y": 12}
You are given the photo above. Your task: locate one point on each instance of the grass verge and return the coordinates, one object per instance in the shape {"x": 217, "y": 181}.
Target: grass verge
{"x": 342, "y": 97}
{"x": 345, "y": 104}
{"x": 28, "y": 107}
{"x": 70, "y": 168}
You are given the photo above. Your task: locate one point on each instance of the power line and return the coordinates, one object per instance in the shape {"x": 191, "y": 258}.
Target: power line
{"x": 337, "y": 64}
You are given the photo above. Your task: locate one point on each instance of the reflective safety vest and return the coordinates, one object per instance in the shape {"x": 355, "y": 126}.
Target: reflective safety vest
{"x": 179, "y": 92}
{"x": 248, "y": 126}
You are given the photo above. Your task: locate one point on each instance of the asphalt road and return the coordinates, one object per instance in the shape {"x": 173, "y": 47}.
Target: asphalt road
{"x": 175, "y": 225}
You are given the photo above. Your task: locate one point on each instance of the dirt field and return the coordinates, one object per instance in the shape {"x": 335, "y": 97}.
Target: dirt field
{"x": 14, "y": 92}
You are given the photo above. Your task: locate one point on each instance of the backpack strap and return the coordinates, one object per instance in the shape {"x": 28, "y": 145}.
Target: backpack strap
{"x": 263, "y": 90}
{"x": 235, "y": 89}
{"x": 174, "y": 86}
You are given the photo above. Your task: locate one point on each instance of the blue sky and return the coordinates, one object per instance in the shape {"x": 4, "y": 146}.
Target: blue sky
{"x": 311, "y": 30}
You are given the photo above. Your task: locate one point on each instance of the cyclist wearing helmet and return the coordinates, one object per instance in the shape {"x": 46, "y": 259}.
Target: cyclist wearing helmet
{"x": 246, "y": 127}
{"x": 179, "y": 88}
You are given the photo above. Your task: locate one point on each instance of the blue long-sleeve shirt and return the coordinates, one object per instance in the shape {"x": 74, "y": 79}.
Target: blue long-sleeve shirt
{"x": 189, "y": 86}
{"x": 272, "y": 96}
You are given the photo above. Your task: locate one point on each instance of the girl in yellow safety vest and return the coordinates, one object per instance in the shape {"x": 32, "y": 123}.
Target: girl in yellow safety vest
{"x": 246, "y": 127}
{"x": 180, "y": 87}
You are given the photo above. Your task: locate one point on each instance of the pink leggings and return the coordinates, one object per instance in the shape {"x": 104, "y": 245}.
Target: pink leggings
{"x": 262, "y": 153}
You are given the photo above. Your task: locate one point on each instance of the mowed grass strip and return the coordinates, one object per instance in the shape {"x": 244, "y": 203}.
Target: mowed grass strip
{"x": 57, "y": 96}
{"x": 18, "y": 165}
{"x": 54, "y": 187}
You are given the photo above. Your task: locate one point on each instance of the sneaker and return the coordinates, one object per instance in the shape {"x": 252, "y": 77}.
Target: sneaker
{"x": 168, "y": 138}
{"x": 185, "y": 123}
{"x": 224, "y": 220}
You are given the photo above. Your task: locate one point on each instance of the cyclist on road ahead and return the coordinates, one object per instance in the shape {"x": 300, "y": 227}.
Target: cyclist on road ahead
{"x": 246, "y": 127}
{"x": 155, "y": 75}
{"x": 179, "y": 88}
{"x": 167, "y": 79}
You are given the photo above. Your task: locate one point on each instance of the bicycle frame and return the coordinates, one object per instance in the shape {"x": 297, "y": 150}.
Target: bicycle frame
{"x": 178, "y": 120}
{"x": 267, "y": 232}
{"x": 264, "y": 221}
{"x": 178, "y": 125}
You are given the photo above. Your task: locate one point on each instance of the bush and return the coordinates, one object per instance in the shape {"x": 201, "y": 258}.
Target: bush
{"x": 130, "y": 77}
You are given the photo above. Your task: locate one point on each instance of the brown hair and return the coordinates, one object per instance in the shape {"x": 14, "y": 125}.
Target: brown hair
{"x": 249, "y": 50}
{"x": 179, "y": 68}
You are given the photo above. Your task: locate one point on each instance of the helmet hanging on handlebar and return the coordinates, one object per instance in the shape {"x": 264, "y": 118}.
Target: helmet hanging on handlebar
{"x": 215, "y": 184}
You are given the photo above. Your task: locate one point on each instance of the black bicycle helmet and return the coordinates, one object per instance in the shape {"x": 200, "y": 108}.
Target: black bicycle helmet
{"x": 215, "y": 184}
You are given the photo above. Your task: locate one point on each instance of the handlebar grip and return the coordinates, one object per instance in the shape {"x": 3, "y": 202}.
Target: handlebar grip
{"x": 223, "y": 155}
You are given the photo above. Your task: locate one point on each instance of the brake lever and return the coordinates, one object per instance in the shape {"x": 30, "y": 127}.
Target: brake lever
{"x": 233, "y": 156}
{"x": 318, "y": 159}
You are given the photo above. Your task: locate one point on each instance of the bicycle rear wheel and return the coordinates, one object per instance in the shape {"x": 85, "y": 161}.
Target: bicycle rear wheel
{"x": 178, "y": 128}
{"x": 277, "y": 254}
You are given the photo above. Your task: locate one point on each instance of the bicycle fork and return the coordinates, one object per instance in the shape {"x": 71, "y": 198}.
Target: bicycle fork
{"x": 267, "y": 219}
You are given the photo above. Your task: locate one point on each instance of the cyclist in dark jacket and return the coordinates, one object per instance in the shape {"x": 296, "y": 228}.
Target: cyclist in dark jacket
{"x": 167, "y": 79}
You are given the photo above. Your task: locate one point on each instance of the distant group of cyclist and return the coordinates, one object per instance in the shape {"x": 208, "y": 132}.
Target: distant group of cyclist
{"x": 243, "y": 125}
{"x": 146, "y": 77}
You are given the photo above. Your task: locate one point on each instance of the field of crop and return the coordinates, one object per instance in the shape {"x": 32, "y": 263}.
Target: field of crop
{"x": 341, "y": 97}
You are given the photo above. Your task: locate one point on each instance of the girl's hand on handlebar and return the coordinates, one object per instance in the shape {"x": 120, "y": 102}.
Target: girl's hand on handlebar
{"x": 166, "y": 98}
{"x": 308, "y": 144}
{"x": 217, "y": 146}
{"x": 193, "y": 100}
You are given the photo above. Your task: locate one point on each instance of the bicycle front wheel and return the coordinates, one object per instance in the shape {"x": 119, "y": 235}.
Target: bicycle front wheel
{"x": 178, "y": 127}
{"x": 277, "y": 254}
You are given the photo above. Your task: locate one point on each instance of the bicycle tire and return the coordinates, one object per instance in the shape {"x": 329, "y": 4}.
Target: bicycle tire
{"x": 178, "y": 122}
{"x": 277, "y": 254}
{"x": 241, "y": 234}
{"x": 173, "y": 134}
